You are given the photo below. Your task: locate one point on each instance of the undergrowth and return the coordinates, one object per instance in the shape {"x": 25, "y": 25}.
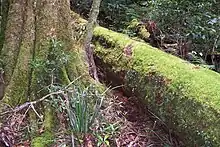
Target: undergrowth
{"x": 80, "y": 104}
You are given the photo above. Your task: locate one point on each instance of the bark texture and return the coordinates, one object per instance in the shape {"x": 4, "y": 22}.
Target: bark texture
{"x": 90, "y": 27}
{"x": 30, "y": 26}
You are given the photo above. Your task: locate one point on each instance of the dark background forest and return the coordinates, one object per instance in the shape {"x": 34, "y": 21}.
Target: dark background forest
{"x": 194, "y": 25}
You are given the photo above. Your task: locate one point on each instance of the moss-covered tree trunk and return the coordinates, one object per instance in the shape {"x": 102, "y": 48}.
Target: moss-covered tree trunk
{"x": 185, "y": 96}
{"x": 28, "y": 29}
{"x": 30, "y": 26}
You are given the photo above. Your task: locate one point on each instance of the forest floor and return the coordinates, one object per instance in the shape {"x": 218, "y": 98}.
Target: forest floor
{"x": 124, "y": 122}
{"x": 138, "y": 127}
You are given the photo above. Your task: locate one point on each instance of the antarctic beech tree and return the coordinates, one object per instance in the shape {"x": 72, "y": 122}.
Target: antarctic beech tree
{"x": 30, "y": 26}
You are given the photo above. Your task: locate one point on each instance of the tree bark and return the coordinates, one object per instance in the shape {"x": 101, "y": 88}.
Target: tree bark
{"x": 88, "y": 48}
{"x": 29, "y": 28}
{"x": 3, "y": 13}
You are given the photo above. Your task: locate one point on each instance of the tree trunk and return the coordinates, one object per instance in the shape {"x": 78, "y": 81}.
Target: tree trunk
{"x": 88, "y": 48}
{"x": 29, "y": 28}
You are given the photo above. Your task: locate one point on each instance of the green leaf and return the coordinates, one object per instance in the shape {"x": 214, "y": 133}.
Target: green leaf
{"x": 106, "y": 137}
{"x": 107, "y": 143}
{"x": 100, "y": 138}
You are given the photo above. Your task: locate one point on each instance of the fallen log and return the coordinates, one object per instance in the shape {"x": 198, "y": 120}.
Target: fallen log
{"x": 185, "y": 96}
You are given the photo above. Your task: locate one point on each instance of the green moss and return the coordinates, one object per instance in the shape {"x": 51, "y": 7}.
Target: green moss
{"x": 147, "y": 59}
{"x": 185, "y": 96}
{"x": 17, "y": 88}
{"x": 64, "y": 76}
{"x": 200, "y": 82}
{"x": 49, "y": 118}
{"x": 18, "y": 94}
{"x": 143, "y": 33}
{"x": 33, "y": 122}
{"x": 133, "y": 24}
{"x": 44, "y": 140}
{"x": 17, "y": 85}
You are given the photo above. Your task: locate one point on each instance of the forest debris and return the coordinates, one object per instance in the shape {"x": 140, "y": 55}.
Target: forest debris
{"x": 137, "y": 128}
{"x": 30, "y": 104}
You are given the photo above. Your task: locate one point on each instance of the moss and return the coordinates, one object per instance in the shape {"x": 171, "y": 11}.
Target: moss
{"x": 143, "y": 33}
{"x": 64, "y": 76}
{"x": 44, "y": 140}
{"x": 49, "y": 118}
{"x": 17, "y": 88}
{"x": 18, "y": 94}
{"x": 133, "y": 24}
{"x": 199, "y": 82}
{"x": 33, "y": 122}
{"x": 185, "y": 96}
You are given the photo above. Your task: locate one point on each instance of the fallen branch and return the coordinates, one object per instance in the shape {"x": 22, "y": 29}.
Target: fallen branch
{"x": 27, "y": 104}
{"x": 30, "y": 104}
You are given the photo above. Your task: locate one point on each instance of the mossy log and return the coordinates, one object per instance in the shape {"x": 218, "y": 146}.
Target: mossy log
{"x": 185, "y": 96}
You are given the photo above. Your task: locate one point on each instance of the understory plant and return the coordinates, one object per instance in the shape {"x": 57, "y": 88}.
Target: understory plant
{"x": 79, "y": 103}
{"x": 82, "y": 105}
{"x": 106, "y": 132}
{"x": 50, "y": 70}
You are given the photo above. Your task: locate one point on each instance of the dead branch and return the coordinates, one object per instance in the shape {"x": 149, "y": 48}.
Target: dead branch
{"x": 30, "y": 104}
{"x": 27, "y": 104}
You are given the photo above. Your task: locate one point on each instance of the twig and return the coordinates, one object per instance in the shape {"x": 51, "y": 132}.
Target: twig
{"x": 213, "y": 50}
{"x": 110, "y": 89}
{"x": 156, "y": 117}
{"x": 154, "y": 125}
{"x": 133, "y": 142}
{"x": 74, "y": 81}
{"x": 35, "y": 111}
{"x": 27, "y": 104}
{"x": 157, "y": 136}
{"x": 23, "y": 117}
{"x": 72, "y": 139}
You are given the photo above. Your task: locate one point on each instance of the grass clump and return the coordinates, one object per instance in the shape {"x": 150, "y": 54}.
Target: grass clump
{"x": 81, "y": 105}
